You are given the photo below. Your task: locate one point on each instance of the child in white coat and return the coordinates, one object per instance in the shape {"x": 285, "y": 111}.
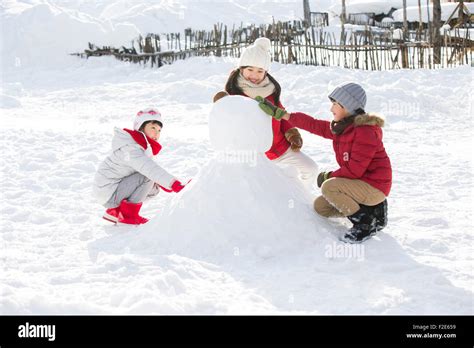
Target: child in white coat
{"x": 129, "y": 175}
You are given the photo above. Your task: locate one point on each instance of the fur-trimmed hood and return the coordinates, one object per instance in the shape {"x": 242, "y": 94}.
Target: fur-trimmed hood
{"x": 371, "y": 119}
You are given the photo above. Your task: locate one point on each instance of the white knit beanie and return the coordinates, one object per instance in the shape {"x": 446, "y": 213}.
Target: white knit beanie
{"x": 257, "y": 54}
{"x": 146, "y": 115}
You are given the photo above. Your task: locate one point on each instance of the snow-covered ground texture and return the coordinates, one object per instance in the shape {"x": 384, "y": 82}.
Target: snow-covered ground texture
{"x": 59, "y": 256}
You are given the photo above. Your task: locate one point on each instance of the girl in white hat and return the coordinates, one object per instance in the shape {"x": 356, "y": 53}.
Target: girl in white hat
{"x": 129, "y": 175}
{"x": 252, "y": 79}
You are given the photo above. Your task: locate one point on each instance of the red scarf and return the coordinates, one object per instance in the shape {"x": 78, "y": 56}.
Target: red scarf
{"x": 139, "y": 137}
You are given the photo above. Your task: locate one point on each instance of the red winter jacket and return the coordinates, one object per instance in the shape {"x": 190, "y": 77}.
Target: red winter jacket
{"x": 359, "y": 149}
{"x": 280, "y": 144}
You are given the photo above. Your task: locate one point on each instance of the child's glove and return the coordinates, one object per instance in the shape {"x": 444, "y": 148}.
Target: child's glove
{"x": 270, "y": 109}
{"x": 219, "y": 95}
{"x": 294, "y": 138}
{"x": 176, "y": 187}
{"x": 322, "y": 177}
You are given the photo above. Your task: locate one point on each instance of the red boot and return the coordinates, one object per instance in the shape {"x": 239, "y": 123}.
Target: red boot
{"x": 112, "y": 215}
{"x": 129, "y": 213}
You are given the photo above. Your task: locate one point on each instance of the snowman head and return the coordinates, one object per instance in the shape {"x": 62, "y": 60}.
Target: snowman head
{"x": 236, "y": 123}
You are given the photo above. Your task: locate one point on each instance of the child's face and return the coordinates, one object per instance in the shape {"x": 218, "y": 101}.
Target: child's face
{"x": 338, "y": 111}
{"x": 253, "y": 74}
{"x": 152, "y": 130}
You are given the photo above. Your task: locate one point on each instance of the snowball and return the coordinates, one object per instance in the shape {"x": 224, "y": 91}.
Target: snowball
{"x": 236, "y": 123}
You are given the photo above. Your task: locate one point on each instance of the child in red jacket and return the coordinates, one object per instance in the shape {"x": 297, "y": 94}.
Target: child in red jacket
{"x": 359, "y": 187}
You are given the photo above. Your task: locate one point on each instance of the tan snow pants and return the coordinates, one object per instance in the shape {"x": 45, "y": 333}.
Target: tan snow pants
{"x": 341, "y": 197}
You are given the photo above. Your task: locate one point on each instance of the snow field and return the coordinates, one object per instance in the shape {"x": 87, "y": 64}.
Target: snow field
{"x": 58, "y": 256}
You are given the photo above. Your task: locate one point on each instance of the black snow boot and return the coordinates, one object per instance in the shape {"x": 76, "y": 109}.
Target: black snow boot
{"x": 380, "y": 213}
{"x": 364, "y": 225}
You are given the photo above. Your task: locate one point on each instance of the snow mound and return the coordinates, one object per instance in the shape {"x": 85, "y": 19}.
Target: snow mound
{"x": 173, "y": 16}
{"x": 43, "y": 34}
{"x": 239, "y": 204}
{"x": 235, "y": 208}
{"x": 229, "y": 131}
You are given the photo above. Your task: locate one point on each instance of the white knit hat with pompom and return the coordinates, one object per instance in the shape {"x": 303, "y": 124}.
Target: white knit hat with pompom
{"x": 258, "y": 54}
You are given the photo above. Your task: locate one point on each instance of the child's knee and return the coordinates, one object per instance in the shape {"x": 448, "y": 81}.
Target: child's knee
{"x": 321, "y": 206}
{"x": 153, "y": 192}
{"x": 328, "y": 186}
{"x": 147, "y": 185}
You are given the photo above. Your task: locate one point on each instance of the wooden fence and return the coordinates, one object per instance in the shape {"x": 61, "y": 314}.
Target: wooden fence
{"x": 294, "y": 43}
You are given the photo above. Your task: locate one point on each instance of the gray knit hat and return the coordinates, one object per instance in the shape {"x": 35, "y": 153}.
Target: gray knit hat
{"x": 350, "y": 95}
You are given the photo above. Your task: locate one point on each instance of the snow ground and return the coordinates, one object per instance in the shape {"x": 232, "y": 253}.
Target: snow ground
{"x": 58, "y": 256}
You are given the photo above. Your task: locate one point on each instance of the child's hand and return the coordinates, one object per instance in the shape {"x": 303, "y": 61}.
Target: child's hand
{"x": 178, "y": 186}
{"x": 270, "y": 109}
{"x": 322, "y": 177}
{"x": 219, "y": 95}
{"x": 294, "y": 138}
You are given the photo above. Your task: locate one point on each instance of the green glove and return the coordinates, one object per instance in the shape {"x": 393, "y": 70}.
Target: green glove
{"x": 270, "y": 109}
{"x": 322, "y": 177}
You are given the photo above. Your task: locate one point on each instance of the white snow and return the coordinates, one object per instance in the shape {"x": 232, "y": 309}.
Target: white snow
{"x": 243, "y": 204}
{"x": 241, "y": 238}
{"x": 236, "y": 208}
{"x": 158, "y": 16}
{"x": 43, "y": 34}
{"x": 413, "y": 12}
{"x": 367, "y": 6}
{"x": 230, "y": 130}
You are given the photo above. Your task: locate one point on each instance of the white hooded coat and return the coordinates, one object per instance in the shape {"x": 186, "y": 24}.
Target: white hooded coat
{"x": 127, "y": 158}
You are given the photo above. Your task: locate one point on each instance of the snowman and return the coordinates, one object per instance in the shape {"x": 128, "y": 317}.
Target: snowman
{"x": 240, "y": 203}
